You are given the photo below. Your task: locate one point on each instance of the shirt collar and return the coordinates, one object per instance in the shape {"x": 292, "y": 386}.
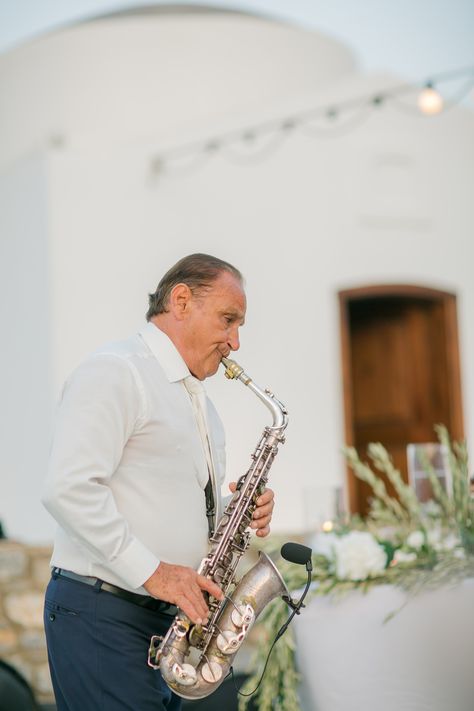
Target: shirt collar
{"x": 165, "y": 352}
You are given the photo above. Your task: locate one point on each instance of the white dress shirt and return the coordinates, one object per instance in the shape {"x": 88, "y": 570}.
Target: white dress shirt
{"x": 128, "y": 468}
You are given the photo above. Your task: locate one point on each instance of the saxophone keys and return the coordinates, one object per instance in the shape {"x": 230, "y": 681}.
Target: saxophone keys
{"x": 185, "y": 674}
{"x": 181, "y": 628}
{"x": 243, "y": 615}
{"x": 155, "y": 652}
{"x": 211, "y": 672}
{"x": 228, "y": 642}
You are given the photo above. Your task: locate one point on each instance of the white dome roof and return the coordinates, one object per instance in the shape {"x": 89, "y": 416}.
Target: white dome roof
{"x": 145, "y": 74}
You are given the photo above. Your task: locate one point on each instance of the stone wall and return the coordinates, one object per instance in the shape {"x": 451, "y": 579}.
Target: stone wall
{"x": 24, "y": 574}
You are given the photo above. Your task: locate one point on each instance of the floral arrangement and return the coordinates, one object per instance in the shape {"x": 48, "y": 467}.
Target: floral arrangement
{"x": 401, "y": 542}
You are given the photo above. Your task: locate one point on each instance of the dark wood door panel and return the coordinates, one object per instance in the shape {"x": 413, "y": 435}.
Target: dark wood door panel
{"x": 401, "y": 371}
{"x": 381, "y": 368}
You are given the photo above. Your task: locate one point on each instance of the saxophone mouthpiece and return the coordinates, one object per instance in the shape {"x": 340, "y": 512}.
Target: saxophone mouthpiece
{"x": 232, "y": 369}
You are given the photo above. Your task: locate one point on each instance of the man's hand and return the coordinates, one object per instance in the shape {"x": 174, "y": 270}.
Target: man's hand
{"x": 183, "y": 587}
{"x": 263, "y": 513}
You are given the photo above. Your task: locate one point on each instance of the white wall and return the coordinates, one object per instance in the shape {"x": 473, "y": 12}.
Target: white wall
{"x": 388, "y": 202}
{"x": 27, "y": 398}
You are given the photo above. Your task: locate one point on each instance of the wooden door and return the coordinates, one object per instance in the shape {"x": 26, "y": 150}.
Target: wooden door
{"x": 401, "y": 371}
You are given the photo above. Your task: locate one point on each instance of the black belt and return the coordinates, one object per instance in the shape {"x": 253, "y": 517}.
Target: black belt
{"x": 151, "y": 603}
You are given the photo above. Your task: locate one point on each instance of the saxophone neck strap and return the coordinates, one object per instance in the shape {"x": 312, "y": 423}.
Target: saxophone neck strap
{"x": 210, "y": 508}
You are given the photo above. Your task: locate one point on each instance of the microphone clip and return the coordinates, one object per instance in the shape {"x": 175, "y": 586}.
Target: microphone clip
{"x": 295, "y": 606}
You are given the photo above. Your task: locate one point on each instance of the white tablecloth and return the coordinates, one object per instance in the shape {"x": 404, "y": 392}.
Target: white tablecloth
{"x": 421, "y": 660}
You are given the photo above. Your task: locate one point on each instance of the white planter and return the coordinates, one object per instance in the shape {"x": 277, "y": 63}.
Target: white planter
{"x": 421, "y": 660}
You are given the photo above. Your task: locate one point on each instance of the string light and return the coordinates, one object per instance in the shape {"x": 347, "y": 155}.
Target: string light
{"x": 378, "y": 100}
{"x": 430, "y": 101}
{"x": 258, "y": 140}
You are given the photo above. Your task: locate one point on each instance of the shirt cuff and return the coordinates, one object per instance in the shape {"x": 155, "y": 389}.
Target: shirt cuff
{"x": 135, "y": 564}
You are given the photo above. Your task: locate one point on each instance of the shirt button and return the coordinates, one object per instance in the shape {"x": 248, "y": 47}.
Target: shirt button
{"x": 52, "y": 616}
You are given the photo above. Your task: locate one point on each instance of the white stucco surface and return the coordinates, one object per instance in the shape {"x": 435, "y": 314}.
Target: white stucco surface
{"x": 388, "y": 202}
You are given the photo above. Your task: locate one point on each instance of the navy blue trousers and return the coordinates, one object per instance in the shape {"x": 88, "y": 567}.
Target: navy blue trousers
{"x": 97, "y": 650}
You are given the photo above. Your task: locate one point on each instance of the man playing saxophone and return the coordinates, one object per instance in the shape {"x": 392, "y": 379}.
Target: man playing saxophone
{"x": 134, "y": 485}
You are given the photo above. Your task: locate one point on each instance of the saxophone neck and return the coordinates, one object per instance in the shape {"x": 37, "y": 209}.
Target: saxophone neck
{"x": 234, "y": 371}
{"x": 277, "y": 408}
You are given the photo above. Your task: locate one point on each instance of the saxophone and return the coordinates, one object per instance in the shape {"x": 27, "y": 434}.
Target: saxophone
{"x": 194, "y": 660}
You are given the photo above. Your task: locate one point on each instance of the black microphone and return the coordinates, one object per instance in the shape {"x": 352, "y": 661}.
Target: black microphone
{"x": 297, "y": 553}
{"x": 301, "y": 555}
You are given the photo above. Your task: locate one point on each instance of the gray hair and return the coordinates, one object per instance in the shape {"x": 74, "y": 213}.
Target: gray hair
{"x": 197, "y": 271}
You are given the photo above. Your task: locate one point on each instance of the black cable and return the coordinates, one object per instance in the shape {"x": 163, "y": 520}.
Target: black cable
{"x": 296, "y": 607}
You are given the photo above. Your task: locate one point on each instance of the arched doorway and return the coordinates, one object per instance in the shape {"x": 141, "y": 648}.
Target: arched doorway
{"x": 401, "y": 374}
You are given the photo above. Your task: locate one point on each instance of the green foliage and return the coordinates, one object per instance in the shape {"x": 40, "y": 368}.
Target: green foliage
{"x": 415, "y": 568}
{"x": 277, "y": 691}
{"x": 461, "y": 507}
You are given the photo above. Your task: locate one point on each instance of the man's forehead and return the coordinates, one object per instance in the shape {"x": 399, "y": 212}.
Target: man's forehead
{"x": 228, "y": 284}
{"x": 226, "y": 279}
{"x": 231, "y": 296}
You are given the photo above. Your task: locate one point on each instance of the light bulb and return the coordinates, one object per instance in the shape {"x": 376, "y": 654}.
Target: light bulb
{"x": 430, "y": 101}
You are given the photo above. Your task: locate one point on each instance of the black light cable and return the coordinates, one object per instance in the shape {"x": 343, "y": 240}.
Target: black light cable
{"x": 196, "y": 153}
{"x": 301, "y": 555}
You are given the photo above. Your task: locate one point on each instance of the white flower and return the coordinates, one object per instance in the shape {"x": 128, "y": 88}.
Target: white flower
{"x": 416, "y": 539}
{"x": 402, "y": 557}
{"x": 323, "y": 544}
{"x": 358, "y": 556}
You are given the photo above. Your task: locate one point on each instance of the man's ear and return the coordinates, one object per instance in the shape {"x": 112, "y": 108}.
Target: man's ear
{"x": 179, "y": 301}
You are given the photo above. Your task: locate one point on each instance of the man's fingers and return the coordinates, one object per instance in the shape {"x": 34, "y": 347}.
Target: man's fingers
{"x": 183, "y": 587}
{"x": 194, "y": 598}
{"x": 210, "y": 586}
{"x": 190, "y": 609}
{"x": 266, "y": 497}
{"x": 262, "y": 532}
{"x": 262, "y": 511}
{"x": 192, "y": 602}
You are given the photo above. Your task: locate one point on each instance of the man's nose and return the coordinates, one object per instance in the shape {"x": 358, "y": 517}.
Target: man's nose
{"x": 234, "y": 341}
